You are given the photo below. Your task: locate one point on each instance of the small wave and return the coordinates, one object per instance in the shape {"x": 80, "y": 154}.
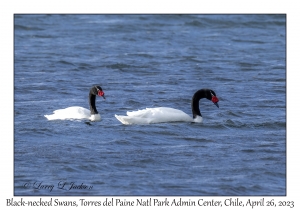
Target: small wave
{"x": 238, "y": 124}
{"x": 248, "y": 150}
{"x": 192, "y": 59}
{"x": 195, "y": 138}
{"x": 143, "y": 161}
{"x": 230, "y": 113}
{"x": 122, "y": 142}
{"x": 36, "y": 131}
{"x": 248, "y": 41}
{"x": 66, "y": 62}
{"x": 271, "y": 151}
{"x": 234, "y": 124}
{"x": 44, "y": 36}
{"x": 145, "y": 55}
{"x": 27, "y": 28}
{"x": 270, "y": 124}
{"x": 118, "y": 66}
{"x": 195, "y": 23}
{"x": 223, "y": 79}
{"x": 88, "y": 167}
{"x": 247, "y": 66}
{"x": 271, "y": 158}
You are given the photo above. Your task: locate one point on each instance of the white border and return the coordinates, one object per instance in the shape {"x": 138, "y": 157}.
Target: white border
{"x": 9, "y": 8}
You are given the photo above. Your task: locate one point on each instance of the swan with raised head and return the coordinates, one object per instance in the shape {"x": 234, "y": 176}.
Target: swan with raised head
{"x": 77, "y": 112}
{"x": 165, "y": 114}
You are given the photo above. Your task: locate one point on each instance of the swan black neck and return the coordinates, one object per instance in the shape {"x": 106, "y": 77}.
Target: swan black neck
{"x": 203, "y": 93}
{"x": 92, "y": 98}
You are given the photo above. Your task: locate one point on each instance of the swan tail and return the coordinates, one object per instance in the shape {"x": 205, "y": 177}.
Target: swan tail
{"x": 123, "y": 119}
{"x": 49, "y": 117}
{"x": 129, "y": 120}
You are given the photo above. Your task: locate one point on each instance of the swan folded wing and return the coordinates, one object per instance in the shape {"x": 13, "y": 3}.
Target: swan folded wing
{"x": 74, "y": 112}
{"x": 154, "y": 115}
{"x": 144, "y": 113}
{"x": 165, "y": 114}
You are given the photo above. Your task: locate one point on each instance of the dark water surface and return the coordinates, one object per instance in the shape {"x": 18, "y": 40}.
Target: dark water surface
{"x": 150, "y": 61}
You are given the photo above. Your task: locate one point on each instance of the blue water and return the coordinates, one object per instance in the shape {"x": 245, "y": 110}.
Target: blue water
{"x": 150, "y": 61}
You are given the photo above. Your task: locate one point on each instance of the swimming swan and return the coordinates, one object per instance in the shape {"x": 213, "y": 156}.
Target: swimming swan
{"x": 76, "y": 112}
{"x": 165, "y": 114}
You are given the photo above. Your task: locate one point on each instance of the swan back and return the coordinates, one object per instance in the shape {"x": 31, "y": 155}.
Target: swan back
{"x": 154, "y": 115}
{"x": 73, "y": 112}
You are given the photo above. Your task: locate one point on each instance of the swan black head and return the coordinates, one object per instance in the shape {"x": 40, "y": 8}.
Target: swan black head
{"x": 214, "y": 98}
{"x": 97, "y": 90}
{"x": 203, "y": 93}
{"x": 94, "y": 91}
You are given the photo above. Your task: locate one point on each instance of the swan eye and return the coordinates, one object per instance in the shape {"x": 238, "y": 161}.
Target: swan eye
{"x": 100, "y": 93}
{"x": 214, "y": 99}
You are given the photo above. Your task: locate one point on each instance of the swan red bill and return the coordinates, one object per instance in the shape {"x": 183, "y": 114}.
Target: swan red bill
{"x": 101, "y": 93}
{"x": 215, "y": 99}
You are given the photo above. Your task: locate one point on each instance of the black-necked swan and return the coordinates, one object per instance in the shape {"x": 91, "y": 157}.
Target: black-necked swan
{"x": 77, "y": 112}
{"x": 165, "y": 114}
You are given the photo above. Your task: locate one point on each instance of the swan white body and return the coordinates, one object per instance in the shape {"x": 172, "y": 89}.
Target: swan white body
{"x": 165, "y": 114}
{"x": 73, "y": 112}
{"x": 77, "y": 112}
{"x": 156, "y": 115}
